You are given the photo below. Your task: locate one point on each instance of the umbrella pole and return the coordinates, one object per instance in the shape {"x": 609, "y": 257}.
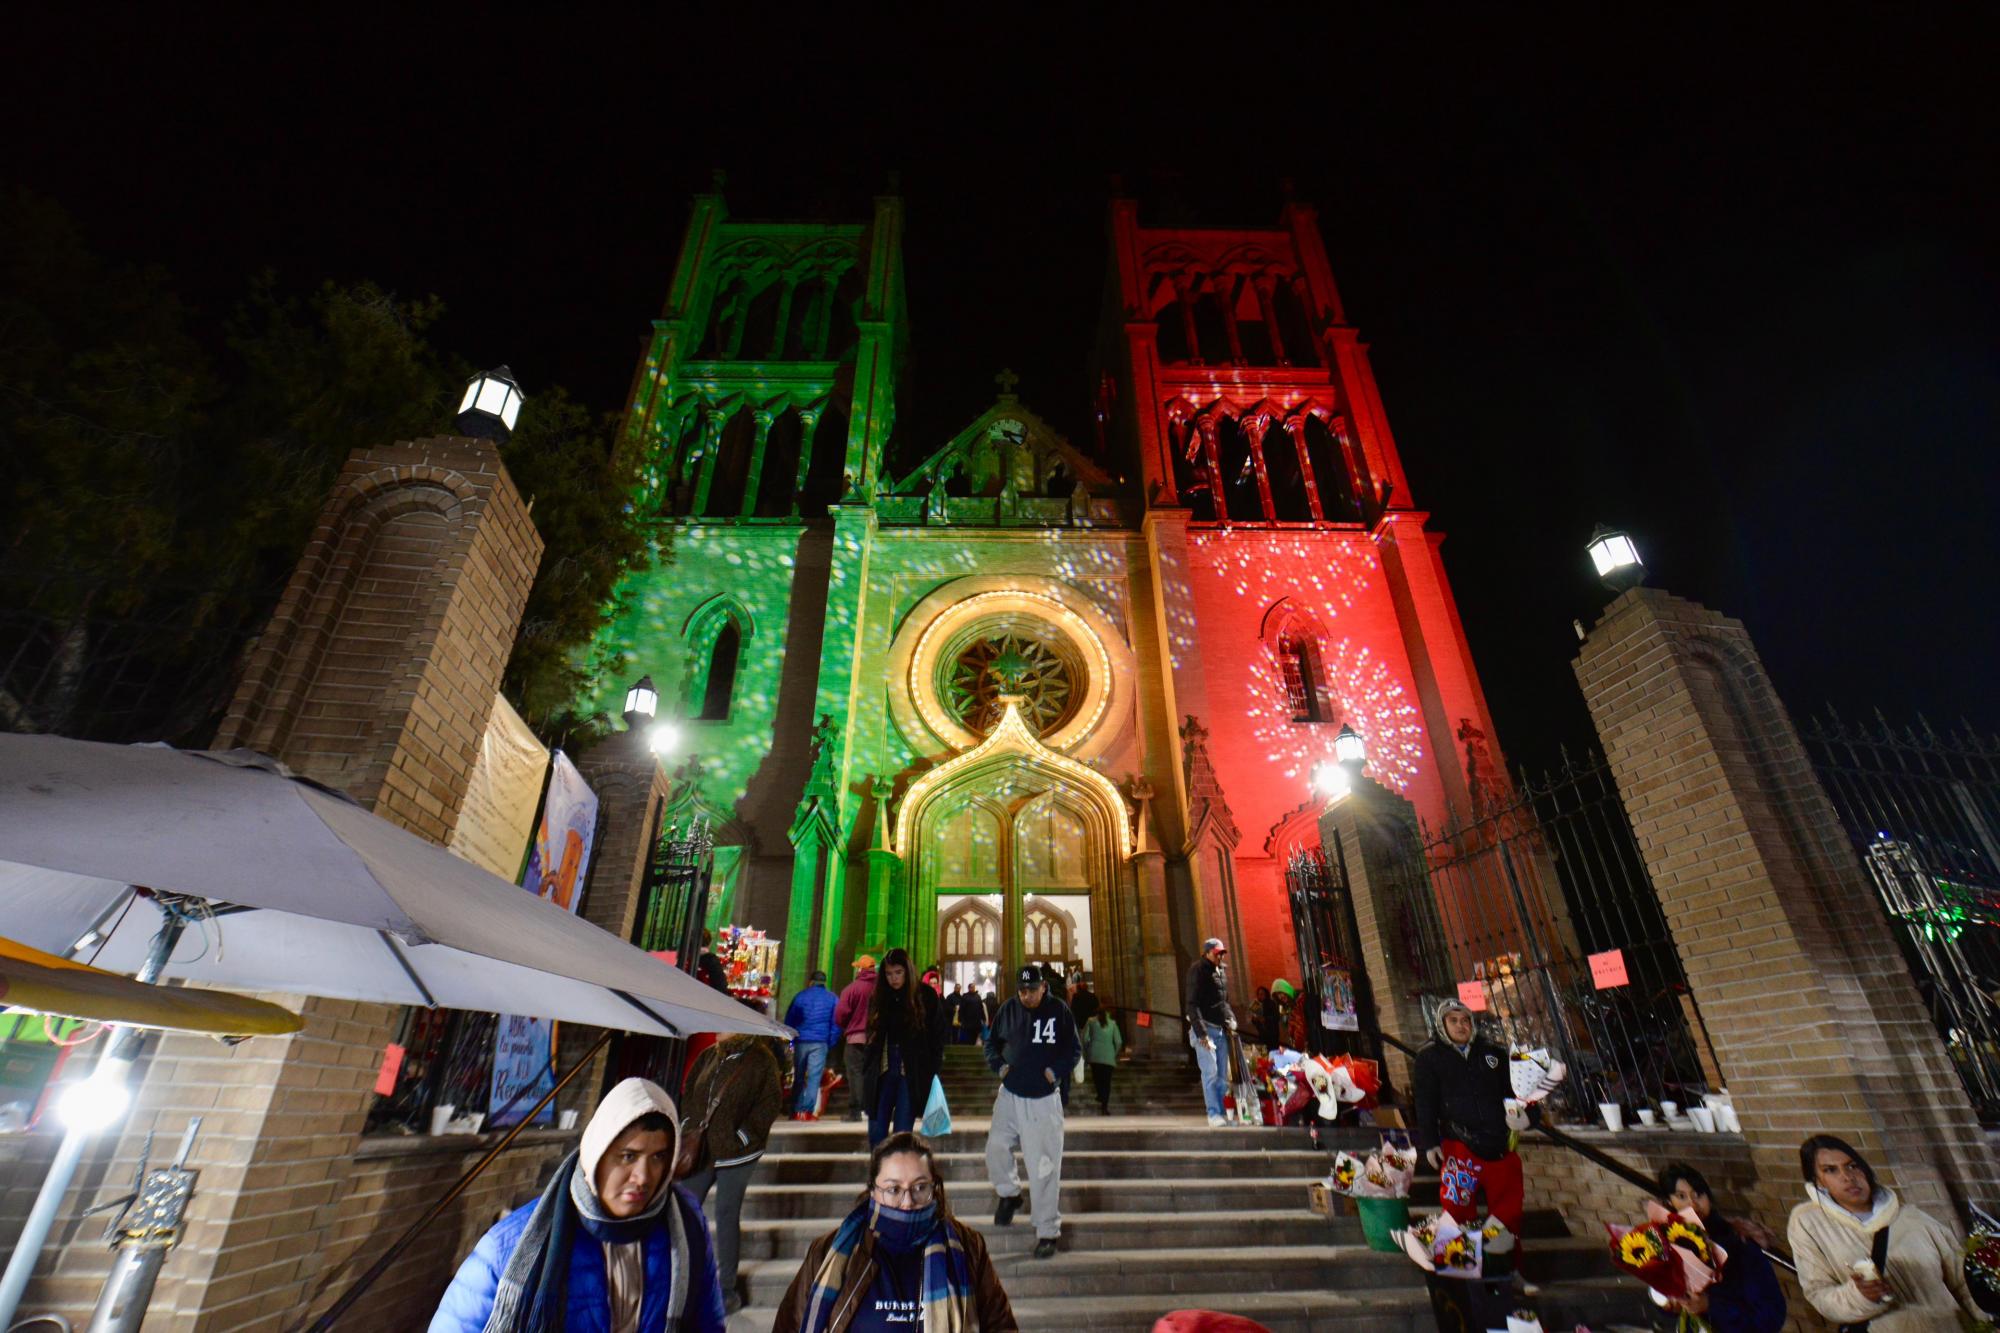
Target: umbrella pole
{"x": 114, "y": 1067}
{"x": 390, "y": 1255}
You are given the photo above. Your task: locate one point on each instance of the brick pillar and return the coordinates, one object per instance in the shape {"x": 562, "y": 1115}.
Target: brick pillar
{"x": 631, "y": 790}
{"x": 1816, "y": 1022}
{"x": 1370, "y": 835}
{"x": 376, "y": 675}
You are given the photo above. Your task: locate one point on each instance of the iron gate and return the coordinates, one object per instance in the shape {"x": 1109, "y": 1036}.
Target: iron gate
{"x": 1521, "y": 897}
{"x": 673, "y": 903}
{"x": 1923, "y": 813}
{"x": 1335, "y": 1003}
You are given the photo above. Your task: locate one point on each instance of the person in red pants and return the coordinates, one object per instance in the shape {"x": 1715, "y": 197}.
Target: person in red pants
{"x": 1462, "y": 1086}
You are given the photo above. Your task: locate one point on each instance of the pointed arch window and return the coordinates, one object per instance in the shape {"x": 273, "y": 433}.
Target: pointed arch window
{"x": 1298, "y": 662}
{"x": 720, "y": 684}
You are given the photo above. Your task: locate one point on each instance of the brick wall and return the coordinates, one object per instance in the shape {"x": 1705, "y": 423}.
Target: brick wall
{"x": 376, "y": 675}
{"x": 1816, "y": 1023}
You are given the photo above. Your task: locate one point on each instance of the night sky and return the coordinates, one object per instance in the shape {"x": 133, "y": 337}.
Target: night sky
{"x": 1732, "y": 287}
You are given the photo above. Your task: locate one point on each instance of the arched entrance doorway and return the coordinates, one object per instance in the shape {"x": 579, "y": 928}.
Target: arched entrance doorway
{"x": 969, "y": 944}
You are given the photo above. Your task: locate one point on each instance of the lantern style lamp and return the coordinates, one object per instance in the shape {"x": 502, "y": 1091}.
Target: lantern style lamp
{"x": 492, "y": 402}
{"x": 641, "y": 701}
{"x": 1616, "y": 558}
{"x": 1349, "y": 748}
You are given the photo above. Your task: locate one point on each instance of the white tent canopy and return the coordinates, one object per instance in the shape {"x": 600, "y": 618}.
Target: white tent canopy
{"x": 313, "y": 895}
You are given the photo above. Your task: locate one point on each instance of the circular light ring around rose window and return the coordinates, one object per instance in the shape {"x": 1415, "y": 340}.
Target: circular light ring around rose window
{"x": 1077, "y": 661}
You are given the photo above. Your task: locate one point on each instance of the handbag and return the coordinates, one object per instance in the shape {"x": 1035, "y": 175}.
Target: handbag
{"x": 1879, "y": 1252}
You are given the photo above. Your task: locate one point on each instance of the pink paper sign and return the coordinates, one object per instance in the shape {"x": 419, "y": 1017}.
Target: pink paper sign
{"x": 1607, "y": 969}
{"x": 1472, "y": 994}
{"x": 392, "y": 1065}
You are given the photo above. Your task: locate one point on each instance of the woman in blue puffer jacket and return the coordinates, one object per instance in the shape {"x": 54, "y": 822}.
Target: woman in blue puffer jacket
{"x": 611, "y": 1246}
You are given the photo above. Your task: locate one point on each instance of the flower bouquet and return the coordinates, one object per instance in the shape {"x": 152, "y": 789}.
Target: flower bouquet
{"x": 1670, "y": 1253}
{"x": 1496, "y": 1247}
{"x": 1534, "y": 1074}
{"x": 1439, "y": 1245}
{"x": 1982, "y": 1267}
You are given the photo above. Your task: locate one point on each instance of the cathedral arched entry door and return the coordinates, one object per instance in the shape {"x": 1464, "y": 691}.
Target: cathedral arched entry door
{"x": 1019, "y": 872}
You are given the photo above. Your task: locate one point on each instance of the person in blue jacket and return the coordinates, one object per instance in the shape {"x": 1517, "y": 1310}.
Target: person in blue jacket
{"x": 1748, "y": 1298}
{"x": 811, "y": 1016}
{"x": 611, "y": 1246}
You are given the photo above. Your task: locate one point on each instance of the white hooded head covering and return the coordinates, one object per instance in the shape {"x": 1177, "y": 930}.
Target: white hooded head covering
{"x": 614, "y": 1115}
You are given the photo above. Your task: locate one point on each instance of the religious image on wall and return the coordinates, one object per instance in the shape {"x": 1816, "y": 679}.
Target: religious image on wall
{"x": 1336, "y": 1005}
{"x": 561, "y": 854}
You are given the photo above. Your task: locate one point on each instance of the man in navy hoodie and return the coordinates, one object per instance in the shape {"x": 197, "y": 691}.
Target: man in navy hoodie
{"x": 1032, "y": 1046}
{"x": 811, "y": 1016}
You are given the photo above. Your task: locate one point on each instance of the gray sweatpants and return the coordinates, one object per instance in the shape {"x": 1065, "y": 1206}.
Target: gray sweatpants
{"x": 1035, "y": 1126}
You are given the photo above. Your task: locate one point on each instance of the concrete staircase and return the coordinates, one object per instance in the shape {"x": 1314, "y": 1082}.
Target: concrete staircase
{"x": 1160, "y": 1213}
{"x": 1158, "y": 1084}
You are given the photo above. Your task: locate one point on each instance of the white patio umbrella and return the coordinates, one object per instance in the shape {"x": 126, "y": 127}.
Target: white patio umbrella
{"x": 301, "y": 891}
{"x": 312, "y": 894}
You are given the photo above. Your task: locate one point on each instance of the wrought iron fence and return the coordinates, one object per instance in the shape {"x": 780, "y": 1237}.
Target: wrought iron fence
{"x": 673, "y": 904}
{"x": 1520, "y": 899}
{"x": 1923, "y": 813}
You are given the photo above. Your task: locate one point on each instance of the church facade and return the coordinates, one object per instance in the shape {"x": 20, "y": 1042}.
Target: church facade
{"x": 1007, "y": 696}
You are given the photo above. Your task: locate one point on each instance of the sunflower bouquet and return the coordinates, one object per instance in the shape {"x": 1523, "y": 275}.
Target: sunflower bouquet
{"x": 1982, "y": 1267}
{"x": 1385, "y": 1174}
{"x": 1671, "y": 1252}
{"x": 1438, "y": 1244}
{"x": 1346, "y": 1170}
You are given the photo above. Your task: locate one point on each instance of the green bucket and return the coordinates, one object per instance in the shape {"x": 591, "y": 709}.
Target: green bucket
{"x": 1379, "y": 1217}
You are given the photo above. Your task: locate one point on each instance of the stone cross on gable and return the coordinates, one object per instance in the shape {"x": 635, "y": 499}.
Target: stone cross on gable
{"x": 1007, "y": 379}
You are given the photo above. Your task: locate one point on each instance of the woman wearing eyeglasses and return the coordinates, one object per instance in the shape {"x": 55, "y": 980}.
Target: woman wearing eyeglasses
{"x": 899, "y": 1261}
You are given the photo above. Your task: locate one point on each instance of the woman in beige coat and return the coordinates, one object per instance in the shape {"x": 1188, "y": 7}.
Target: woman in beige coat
{"x": 1918, "y": 1283}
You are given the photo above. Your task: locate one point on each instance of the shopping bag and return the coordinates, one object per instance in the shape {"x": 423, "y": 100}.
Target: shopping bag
{"x": 937, "y": 1113}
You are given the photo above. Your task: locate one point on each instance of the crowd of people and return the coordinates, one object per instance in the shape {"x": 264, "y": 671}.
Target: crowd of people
{"x": 638, "y": 1228}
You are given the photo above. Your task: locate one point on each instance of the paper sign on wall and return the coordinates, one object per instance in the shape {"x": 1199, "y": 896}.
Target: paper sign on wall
{"x": 392, "y": 1065}
{"x": 1472, "y": 994}
{"x": 1144, "y": 1020}
{"x": 1607, "y": 969}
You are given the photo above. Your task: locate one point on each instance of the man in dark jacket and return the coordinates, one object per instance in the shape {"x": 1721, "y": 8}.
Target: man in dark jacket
{"x": 811, "y": 1016}
{"x": 1032, "y": 1046}
{"x": 1463, "y": 1085}
{"x": 1210, "y": 1021}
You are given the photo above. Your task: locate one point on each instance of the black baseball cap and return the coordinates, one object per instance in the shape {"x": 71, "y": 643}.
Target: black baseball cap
{"x": 1030, "y": 976}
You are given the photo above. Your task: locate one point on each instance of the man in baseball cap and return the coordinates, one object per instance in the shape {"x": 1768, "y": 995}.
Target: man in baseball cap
{"x": 1032, "y": 1046}
{"x": 1210, "y": 1021}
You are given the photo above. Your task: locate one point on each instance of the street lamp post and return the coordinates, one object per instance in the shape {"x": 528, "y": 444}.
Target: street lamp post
{"x": 491, "y": 405}
{"x": 1616, "y": 558}
{"x": 1350, "y": 749}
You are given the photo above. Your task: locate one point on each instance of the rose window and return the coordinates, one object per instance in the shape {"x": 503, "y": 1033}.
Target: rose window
{"x": 1010, "y": 662}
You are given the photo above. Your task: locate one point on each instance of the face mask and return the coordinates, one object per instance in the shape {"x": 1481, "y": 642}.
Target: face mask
{"x": 901, "y": 1229}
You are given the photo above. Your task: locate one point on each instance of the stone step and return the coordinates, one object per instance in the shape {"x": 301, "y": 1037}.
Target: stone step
{"x": 1081, "y": 1197}
{"x": 1188, "y": 1133}
{"x": 787, "y": 1238}
{"x": 1079, "y": 1163}
{"x": 1600, "y": 1303}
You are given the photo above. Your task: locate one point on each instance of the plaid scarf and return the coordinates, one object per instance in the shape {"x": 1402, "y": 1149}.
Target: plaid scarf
{"x": 948, "y": 1306}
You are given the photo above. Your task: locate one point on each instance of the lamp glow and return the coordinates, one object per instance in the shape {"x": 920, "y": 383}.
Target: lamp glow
{"x": 1616, "y": 558}
{"x": 1348, "y": 747}
{"x": 1329, "y": 780}
{"x": 642, "y": 700}
{"x": 98, "y": 1100}
{"x": 491, "y": 405}
{"x": 663, "y": 737}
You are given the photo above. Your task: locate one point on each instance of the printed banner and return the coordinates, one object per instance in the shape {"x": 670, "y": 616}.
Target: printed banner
{"x": 523, "y": 1050}
{"x": 561, "y": 857}
{"x": 499, "y": 810}
{"x": 1336, "y": 1007}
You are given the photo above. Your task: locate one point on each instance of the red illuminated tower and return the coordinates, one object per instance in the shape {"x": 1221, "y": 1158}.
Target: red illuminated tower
{"x": 1297, "y": 586}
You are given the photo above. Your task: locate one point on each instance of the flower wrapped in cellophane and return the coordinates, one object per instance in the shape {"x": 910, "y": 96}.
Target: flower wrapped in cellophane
{"x": 1534, "y": 1074}
{"x": 1384, "y": 1174}
{"x": 1346, "y": 1170}
{"x": 1438, "y": 1244}
{"x": 1671, "y": 1253}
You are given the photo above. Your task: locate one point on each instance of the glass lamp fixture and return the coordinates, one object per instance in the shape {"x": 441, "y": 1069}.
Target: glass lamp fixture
{"x": 642, "y": 700}
{"x": 492, "y": 403}
{"x": 1349, "y": 748}
{"x": 1616, "y": 558}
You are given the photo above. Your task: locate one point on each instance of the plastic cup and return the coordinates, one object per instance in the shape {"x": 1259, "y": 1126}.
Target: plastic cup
{"x": 1670, "y": 1109}
{"x": 1704, "y": 1119}
{"x": 441, "y": 1117}
{"x": 1727, "y": 1121}
{"x": 568, "y": 1120}
{"x": 1646, "y": 1115}
{"x": 1614, "y": 1115}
